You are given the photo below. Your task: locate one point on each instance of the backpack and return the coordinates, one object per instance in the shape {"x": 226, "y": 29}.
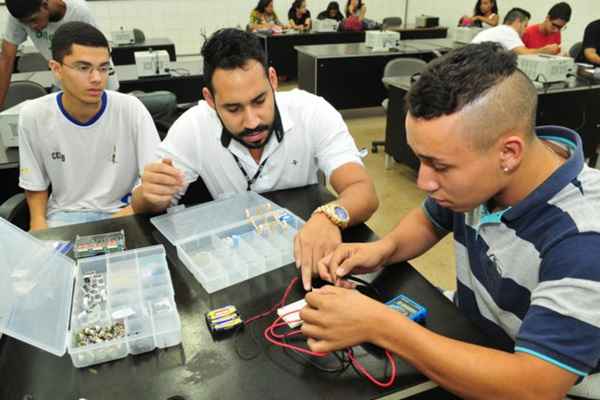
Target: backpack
{"x": 352, "y": 24}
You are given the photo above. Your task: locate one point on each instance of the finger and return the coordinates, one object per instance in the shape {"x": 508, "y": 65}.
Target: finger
{"x": 341, "y": 255}
{"x": 306, "y": 261}
{"x": 346, "y": 284}
{"x": 320, "y": 346}
{"x": 322, "y": 267}
{"x": 311, "y": 316}
{"x": 160, "y": 190}
{"x": 306, "y": 271}
{"x": 158, "y": 199}
{"x": 297, "y": 250}
{"x": 162, "y": 177}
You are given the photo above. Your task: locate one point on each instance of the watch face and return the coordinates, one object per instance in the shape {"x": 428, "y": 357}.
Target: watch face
{"x": 341, "y": 213}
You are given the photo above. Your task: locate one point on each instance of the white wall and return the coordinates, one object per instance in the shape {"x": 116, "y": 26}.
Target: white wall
{"x": 184, "y": 20}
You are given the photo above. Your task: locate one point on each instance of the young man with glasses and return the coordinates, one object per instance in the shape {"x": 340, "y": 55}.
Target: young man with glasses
{"x": 548, "y": 32}
{"x": 38, "y": 20}
{"x": 90, "y": 144}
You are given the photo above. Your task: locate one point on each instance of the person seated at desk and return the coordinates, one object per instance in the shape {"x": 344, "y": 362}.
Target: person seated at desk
{"x": 263, "y": 17}
{"x": 38, "y": 20}
{"x": 509, "y": 34}
{"x": 485, "y": 15}
{"x": 90, "y": 144}
{"x": 247, "y": 136}
{"x": 524, "y": 209}
{"x": 356, "y": 8}
{"x": 548, "y": 32}
{"x": 590, "y": 51}
{"x": 299, "y": 16}
{"x": 332, "y": 12}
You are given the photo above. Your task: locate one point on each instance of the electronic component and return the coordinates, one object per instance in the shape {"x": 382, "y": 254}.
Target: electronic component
{"x": 545, "y": 68}
{"x": 291, "y": 313}
{"x": 426, "y": 21}
{"x": 152, "y": 63}
{"x": 408, "y": 308}
{"x": 223, "y": 320}
{"x": 465, "y": 34}
{"x": 382, "y": 40}
{"x": 325, "y": 25}
{"x": 122, "y": 37}
{"x": 87, "y": 246}
{"x": 9, "y": 125}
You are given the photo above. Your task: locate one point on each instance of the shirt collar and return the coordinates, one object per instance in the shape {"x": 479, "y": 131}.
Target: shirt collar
{"x": 564, "y": 175}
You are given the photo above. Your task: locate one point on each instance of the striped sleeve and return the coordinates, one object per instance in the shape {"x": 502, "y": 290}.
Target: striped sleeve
{"x": 441, "y": 218}
{"x": 562, "y": 325}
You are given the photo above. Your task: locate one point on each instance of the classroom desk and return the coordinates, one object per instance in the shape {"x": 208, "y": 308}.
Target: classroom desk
{"x": 349, "y": 75}
{"x": 124, "y": 54}
{"x": 412, "y": 32}
{"x": 280, "y": 48}
{"x": 186, "y": 82}
{"x": 573, "y": 108}
{"x": 201, "y": 368}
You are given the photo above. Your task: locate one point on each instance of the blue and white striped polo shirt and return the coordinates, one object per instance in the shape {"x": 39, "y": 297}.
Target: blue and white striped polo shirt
{"x": 529, "y": 275}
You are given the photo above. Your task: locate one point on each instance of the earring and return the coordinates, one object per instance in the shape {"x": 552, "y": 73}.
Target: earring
{"x": 505, "y": 169}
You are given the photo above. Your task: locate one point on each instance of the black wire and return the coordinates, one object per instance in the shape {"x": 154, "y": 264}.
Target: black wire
{"x": 236, "y": 343}
{"x": 343, "y": 363}
{"x": 366, "y": 284}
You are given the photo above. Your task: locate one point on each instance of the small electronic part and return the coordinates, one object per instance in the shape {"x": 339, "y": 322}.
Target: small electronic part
{"x": 382, "y": 40}
{"x": 223, "y": 320}
{"x": 99, "y": 334}
{"x": 291, "y": 313}
{"x": 426, "y": 21}
{"x": 87, "y": 246}
{"x": 123, "y": 37}
{"x": 408, "y": 307}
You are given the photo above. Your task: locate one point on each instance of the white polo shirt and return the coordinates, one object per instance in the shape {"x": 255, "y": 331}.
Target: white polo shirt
{"x": 506, "y": 35}
{"x": 315, "y": 137}
{"x": 91, "y": 166}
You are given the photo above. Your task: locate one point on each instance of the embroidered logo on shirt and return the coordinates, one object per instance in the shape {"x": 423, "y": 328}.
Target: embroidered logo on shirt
{"x": 294, "y": 162}
{"x": 57, "y": 155}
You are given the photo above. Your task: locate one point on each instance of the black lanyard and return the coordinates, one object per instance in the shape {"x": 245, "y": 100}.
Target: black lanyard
{"x": 249, "y": 181}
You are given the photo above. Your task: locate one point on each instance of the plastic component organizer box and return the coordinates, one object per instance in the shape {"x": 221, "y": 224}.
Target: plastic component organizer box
{"x": 228, "y": 241}
{"x": 123, "y": 302}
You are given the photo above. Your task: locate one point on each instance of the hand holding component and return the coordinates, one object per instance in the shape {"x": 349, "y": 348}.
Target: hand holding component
{"x": 336, "y": 318}
{"x": 160, "y": 182}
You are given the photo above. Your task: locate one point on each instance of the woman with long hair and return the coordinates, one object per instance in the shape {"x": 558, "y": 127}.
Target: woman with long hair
{"x": 299, "y": 16}
{"x": 263, "y": 17}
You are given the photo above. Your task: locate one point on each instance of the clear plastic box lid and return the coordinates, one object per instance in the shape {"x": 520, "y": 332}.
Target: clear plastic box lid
{"x": 36, "y": 290}
{"x": 185, "y": 223}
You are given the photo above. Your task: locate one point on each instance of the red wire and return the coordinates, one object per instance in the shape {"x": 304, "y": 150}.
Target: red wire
{"x": 275, "y": 338}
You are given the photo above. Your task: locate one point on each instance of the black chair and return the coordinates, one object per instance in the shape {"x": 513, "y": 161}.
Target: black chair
{"x": 138, "y": 35}
{"x": 32, "y": 62}
{"x": 19, "y": 91}
{"x": 575, "y": 50}
{"x": 162, "y": 106}
{"x": 15, "y": 211}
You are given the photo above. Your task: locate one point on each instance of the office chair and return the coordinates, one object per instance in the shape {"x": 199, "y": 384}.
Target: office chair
{"x": 389, "y": 22}
{"x": 19, "y": 91}
{"x": 398, "y": 67}
{"x": 575, "y": 50}
{"x": 16, "y": 211}
{"x": 32, "y": 62}
{"x": 162, "y": 106}
{"x": 138, "y": 35}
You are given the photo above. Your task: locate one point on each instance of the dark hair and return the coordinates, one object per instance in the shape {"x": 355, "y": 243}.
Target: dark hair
{"x": 23, "y": 8}
{"x": 516, "y": 14}
{"x": 75, "y": 32}
{"x": 262, "y": 4}
{"x": 333, "y": 5}
{"x": 560, "y": 11}
{"x": 477, "y": 10}
{"x": 359, "y": 6}
{"x": 459, "y": 78}
{"x": 463, "y": 77}
{"x": 295, "y": 6}
{"x": 230, "y": 48}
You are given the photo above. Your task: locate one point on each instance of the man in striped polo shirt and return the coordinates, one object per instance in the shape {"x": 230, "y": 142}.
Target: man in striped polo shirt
{"x": 525, "y": 212}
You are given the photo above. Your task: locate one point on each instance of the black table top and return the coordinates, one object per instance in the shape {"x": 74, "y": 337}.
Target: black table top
{"x": 146, "y": 43}
{"x": 203, "y": 368}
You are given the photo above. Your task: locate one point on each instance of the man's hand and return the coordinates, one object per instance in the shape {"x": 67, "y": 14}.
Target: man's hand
{"x": 160, "y": 182}
{"x": 317, "y": 238}
{"x": 38, "y": 225}
{"x": 551, "y": 49}
{"x": 357, "y": 258}
{"x": 335, "y": 318}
